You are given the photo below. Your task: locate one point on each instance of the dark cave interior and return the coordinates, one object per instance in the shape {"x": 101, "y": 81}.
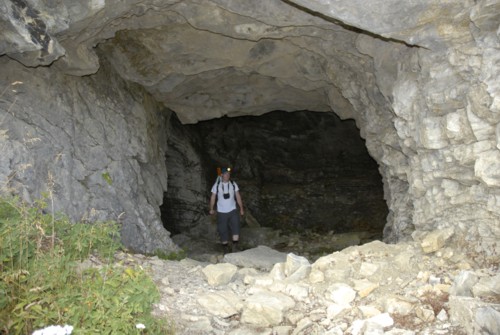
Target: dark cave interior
{"x": 299, "y": 172}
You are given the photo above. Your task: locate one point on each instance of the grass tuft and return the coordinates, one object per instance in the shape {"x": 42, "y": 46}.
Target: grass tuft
{"x": 42, "y": 281}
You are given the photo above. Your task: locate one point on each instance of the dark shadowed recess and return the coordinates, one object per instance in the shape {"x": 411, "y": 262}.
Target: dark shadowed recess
{"x": 300, "y": 171}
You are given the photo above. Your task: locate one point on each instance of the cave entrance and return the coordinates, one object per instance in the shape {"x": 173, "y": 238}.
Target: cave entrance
{"x": 303, "y": 174}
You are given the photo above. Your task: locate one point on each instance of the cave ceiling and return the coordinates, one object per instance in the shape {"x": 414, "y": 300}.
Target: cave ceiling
{"x": 206, "y": 59}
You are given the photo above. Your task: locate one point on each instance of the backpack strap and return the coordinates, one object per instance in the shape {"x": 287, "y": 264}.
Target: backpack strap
{"x": 217, "y": 188}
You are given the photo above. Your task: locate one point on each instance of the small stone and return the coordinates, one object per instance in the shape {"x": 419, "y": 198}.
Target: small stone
{"x": 317, "y": 315}
{"x": 278, "y": 271}
{"x": 436, "y": 239}
{"x": 223, "y": 304}
{"x": 487, "y": 286}
{"x": 335, "y": 309}
{"x": 302, "y": 325}
{"x": 297, "y": 291}
{"x": 169, "y": 291}
{"x": 278, "y": 286}
{"x": 384, "y": 320}
{"x": 221, "y": 323}
{"x": 219, "y": 274}
{"x": 372, "y": 329}
{"x": 368, "y": 269}
{"x": 398, "y": 331}
{"x": 324, "y": 321}
{"x": 369, "y": 311}
{"x": 356, "y": 327}
{"x": 397, "y": 305}
{"x": 442, "y": 316}
{"x": 263, "y": 281}
{"x": 425, "y": 313}
{"x": 247, "y": 271}
{"x": 249, "y": 280}
{"x": 249, "y": 331}
{"x": 316, "y": 276}
{"x": 294, "y": 317}
{"x": 423, "y": 276}
{"x": 364, "y": 287}
{"x": 197, "y": 323}
{"x": 336, "y": 330}
{"x": 162, "y": 307}
{"x": 266, "y": 308}
{"x": 487, "y": 320}
{"x": 463, "y": 283}
{"x": 434, "y": 280}
{"x": 487, "y": 167}
{"x": 341, "y": 293}
{"x": 296, "y": 267}
{"x": 194, "y": 269}
{"x": 445, "y": 253}
{"x": 442, "y": 287}
{"x": 282, "y": 330}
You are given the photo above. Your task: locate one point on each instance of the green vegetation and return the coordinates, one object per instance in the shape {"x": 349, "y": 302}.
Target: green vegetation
{"x": 107, "y": 178}
{"x": 43, "y": 282}
{"x": 172, "y": 256}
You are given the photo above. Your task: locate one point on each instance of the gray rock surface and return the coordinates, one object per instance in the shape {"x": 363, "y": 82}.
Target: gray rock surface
{"x": 414, "y": 299}
{"x": 419, "y": 78}
{"x": 219, "y": 274}
{"x": 95, "y": 145}
{"x": 262, "y": 258}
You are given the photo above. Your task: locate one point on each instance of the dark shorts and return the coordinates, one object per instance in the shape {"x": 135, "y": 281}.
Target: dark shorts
{"x": 228, "y": 223}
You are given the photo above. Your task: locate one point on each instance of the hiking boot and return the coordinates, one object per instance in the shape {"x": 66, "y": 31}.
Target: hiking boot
{"x": 225, "y": 249}
{"x": 234, "y": 247}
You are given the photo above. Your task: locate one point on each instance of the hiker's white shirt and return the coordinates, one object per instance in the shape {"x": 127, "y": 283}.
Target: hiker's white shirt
{"x": 225, "y": 205}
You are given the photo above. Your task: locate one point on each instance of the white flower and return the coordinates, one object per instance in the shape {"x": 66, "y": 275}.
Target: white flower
{"x": 140, "y": 326}
{"x": 55, "y": 330}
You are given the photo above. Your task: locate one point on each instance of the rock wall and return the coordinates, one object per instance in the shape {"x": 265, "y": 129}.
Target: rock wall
{"x": 441, "y": 166}
{"x": 450, "y": 145}
{"x": 436, "y": 136}
{"x": 420, "y": 79}
{"x": 185, "y": 202}
{"x": 298, "y": 171}
{"x": 95, "y": 145}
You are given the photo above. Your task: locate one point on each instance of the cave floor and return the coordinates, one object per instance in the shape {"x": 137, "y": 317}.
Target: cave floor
{"x": 311, "y": 245}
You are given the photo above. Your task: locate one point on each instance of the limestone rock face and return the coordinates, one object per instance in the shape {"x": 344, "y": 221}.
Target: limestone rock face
{"x": 426, "y": 23}
{"x": 419, "y": 78}
{"x": 97, "y": 152}
{"x": 185, "y": 200}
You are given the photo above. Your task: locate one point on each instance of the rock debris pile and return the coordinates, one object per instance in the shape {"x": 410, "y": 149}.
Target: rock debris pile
{"x": 418, "y": 287}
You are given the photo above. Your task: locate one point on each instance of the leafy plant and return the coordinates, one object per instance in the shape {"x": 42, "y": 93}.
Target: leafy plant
{"x": 42, "y": 281}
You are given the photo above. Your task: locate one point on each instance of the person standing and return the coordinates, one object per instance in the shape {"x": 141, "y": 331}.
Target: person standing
{"x": 227, "y": 193}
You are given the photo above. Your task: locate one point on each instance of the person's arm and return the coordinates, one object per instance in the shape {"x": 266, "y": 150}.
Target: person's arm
{"x": 212, "y": 204}
{"x": 240, "y": 202}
